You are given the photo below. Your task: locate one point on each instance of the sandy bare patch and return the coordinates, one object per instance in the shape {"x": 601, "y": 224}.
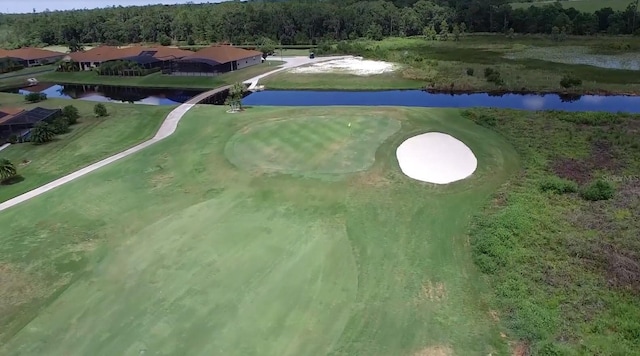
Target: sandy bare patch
{"x": 437, "y": 158}
{"x": 372, "y": 178}
{"x": 435, "y": 351}
{"x": 521, "y": 349}
{"x": 494, "y": 315}
{"x": 355, "y": 66}
{"x": 161, "y": 180}
{"x": 434, "y": 291}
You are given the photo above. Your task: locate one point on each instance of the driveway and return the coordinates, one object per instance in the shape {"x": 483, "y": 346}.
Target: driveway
{"x": 290, "y": 62}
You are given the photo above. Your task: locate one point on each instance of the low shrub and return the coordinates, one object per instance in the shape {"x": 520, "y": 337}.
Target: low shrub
{"x": 71, "y": 113}
{"x": 470, "y": 71}
{"x": 100, "y": 110}
{"x": 549, "y": 349}
{"x": 344, "y": 47}
{"x": 569, "y": 81}
{"x": 165, "y": 40}
{"x": 558, "y": 185}
{"x": 487, "y": 120}
{"x": 60, "y": 125}
{"x": 493, "y": 76}
{"x": 598, "y": 190}
{"x": 488, "y": 72}
{"x": 35, "y": 97}
{"x": 324, "y": 48}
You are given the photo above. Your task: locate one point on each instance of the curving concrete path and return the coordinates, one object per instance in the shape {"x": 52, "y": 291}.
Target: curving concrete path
{"x": 167, "y": 128}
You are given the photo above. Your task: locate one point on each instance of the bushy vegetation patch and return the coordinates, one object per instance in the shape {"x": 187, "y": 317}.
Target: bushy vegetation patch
{"x": 100, "y": 110}
{"x": 35, "y": 97}
{"x": 60, "y": 125}
{"x": 558, "y": 185}
{"x": 569, "y": 81}
{"x": 565, "y": 267}
{"x": 125, "y": 68}
{"x": 598, "y": 190}
{"x": 71, "y": 113}
{"x": 493, "y": 76}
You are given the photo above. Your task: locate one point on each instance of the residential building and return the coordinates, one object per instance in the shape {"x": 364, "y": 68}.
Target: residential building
{"x": 30, "y": 57}
{"x": 215, "y": 60}
{"x": 18, "y": 123}
{"x": 148, "y": 57}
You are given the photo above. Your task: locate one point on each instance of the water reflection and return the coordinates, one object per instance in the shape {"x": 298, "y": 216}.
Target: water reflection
{"x": 102, "y": 93}
{"x": 424, "y": 99}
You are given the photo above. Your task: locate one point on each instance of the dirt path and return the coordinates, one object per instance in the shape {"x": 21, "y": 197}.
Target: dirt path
{"x": 167, "y": 128}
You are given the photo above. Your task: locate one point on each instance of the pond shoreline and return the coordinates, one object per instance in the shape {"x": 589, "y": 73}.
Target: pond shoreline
{"x": 422, "y": 98}
{"x": 500, "y": 92}
{"x": 395, "y": 97}
{"x": 492, "y": 92}
{"x": 431, "y": 90}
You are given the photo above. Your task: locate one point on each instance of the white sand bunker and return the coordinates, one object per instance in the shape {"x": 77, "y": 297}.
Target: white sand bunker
{"x": 436, "y": 158}
{"x": 354, "y": 65}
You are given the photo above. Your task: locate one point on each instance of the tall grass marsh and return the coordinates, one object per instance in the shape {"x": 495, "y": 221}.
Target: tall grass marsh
{"x": 526, "y": 63}
{"x": 559, "y": 241}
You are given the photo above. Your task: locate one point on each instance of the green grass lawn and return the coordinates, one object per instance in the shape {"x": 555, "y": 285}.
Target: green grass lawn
{"x": 197, "y": 246}
{"x": 17, "y": 78}
{"x": 581, "y": 5}
{"x": 158, "y": 80}
{"x": 27, "y": 71}
{"x": 88, "y": 141}
{"x": 446, "y": 65}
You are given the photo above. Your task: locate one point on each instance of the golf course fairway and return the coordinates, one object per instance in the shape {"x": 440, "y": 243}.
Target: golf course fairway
{"x": 275, "y": 231}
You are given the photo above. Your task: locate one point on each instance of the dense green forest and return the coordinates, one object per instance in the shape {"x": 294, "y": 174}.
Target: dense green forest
{"x": 301, "y": 21}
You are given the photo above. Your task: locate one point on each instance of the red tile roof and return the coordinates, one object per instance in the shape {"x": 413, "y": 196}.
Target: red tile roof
{"x": 10, "y": 113}
{"x": 28, "y": 53}
{"x": 110, "y": 53}
{"x": 224, "y": 53}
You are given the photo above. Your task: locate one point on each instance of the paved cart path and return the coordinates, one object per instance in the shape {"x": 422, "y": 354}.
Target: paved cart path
{"x": 167, "y": 128}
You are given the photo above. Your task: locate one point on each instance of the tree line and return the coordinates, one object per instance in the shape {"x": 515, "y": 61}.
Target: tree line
{"x": 301, "y": 21}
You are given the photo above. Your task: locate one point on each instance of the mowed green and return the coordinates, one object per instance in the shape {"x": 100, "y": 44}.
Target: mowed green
{"x": 89, "y": 141}
{"x": 175, "y": 250}
{"x": 311, "y": 146}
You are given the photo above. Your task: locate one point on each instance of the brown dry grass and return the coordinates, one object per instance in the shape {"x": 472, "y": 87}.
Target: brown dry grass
{"x": 17, "y": 287}
{"x": 521, "y": 349}
{"x": 434, "y": 291}
{"x": 161, "y": 180}
{"x": 374, "y": 177}
{"x": 435, "y": 351}
{"x": 494, "y": 315}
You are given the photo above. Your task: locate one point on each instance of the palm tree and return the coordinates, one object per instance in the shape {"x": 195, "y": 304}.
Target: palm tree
{"x": 7, "y": 170}
{"x": 42, "y": 133}
{"x": 235, "y": 96}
